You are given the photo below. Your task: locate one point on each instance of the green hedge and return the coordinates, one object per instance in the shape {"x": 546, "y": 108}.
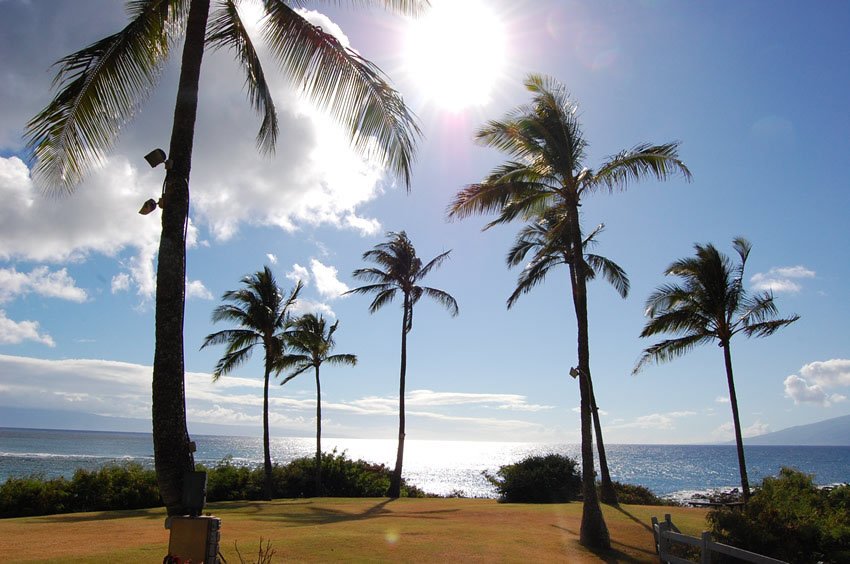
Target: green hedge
{"x": 132, "y": 486}
{"x": 791, "y": 519}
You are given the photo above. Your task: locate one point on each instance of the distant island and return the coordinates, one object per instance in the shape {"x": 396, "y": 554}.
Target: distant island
{"x": 830, "y": 432}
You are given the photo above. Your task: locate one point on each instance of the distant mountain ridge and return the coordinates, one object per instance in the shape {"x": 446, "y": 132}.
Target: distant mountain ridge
{"x": 830, "y": 432}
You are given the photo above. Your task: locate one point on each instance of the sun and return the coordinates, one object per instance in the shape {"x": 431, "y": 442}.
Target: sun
{"x": 455, "y": 53}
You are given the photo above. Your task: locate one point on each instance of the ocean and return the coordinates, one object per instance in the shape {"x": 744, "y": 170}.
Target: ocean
{"x": 438, "y": 467}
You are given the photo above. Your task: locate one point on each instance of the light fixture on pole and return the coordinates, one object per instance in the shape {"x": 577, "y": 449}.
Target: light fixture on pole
{"x": 574, "y": 372}
{"x": 148, "y": 207}
{"x": 155, "y": 158}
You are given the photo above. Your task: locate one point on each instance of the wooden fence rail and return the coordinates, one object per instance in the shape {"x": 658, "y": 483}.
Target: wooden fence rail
{"x": 666, "y": 534}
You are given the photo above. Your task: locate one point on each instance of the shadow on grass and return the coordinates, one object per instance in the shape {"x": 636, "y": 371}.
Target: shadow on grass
{"x": 633, "y": 518}
{"x": 156, "y": 513}
{"x": 325, "y": 515}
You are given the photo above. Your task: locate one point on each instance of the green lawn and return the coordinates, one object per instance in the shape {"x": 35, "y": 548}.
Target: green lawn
{"x": 352, "y": 530}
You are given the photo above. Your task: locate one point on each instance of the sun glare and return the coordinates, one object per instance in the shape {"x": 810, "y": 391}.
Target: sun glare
{"x": 455, "y": 53}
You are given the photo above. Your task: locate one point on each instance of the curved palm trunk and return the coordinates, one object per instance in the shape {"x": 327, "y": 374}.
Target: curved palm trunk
{"x": 607, "y": 493}
{"x": 172, "y": 453}
{"x": 318, "y": 434}
{"x": 267, "y": 454}
{"x": 594, "y": 531}
{"x": 395, "y": 480}
{"x": 739, "y": 441}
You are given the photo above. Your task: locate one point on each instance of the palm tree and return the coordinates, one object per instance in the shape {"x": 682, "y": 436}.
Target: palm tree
{"x": 551, "y": 247}
{"x": 710, "y": 304}
{"x": 546, "y": 171}
{"x": 310, "y": 342}
{"x": 261, "y": 312}
{"x": 101, "y": 86}
{"x": 402, "y": 272}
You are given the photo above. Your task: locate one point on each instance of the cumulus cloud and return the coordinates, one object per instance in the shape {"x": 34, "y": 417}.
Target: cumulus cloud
{"x": 815, "y": 381}
{"x": 41, "y": 281}
{"x": 299, "y": 272}
{"x": 15, "y": 332}
{"x": 327, "y": 283}
{"x": 781, "y": 279}
{"x": 196, "y": 289}
{"x": 120, "y": 282}
{"x": 272, "y": 258}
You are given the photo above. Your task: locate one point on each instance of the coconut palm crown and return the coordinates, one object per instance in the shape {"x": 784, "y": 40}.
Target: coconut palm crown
{"x": 710, "y": 304}
{"x": 310, "y": 342}
{"x": 100, "y": 88}
{"x": 261, "y": 314}
{"x": 400, "y": 271}
{"x": 547, "y": 171}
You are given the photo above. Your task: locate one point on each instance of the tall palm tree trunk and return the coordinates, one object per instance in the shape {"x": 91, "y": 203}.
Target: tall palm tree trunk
{"x": 594, "y": 531}
{"x": 172, "y": 453}
{"x": 395, "y": 481}
{"x": 267, "y": 454}
{"x": 607, "y": 493}
{"x": 739, "y": 441}
{"x": 318, "y": 434}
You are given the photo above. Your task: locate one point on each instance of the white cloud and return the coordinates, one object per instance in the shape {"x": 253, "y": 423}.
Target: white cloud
{"x": 299, "y": 272}
{"x": 120, "y": 282}
{"x": 429, "y": 398}
{"x": 721, "y": 399}
{"x": 196, "y": 289}
{"x": 57, "y": 284}
{"x": 272, "y": 258}
{"x": 302, "y": 306}
{"x": 815, "y": 381}
{"x": 781, "y": 279}
{"x": 726, "y": 431}
{"x": 799, "y": 390}
{"x": 15, "y": 332}
{"x": 327, "y": 283}
{"x": 663, "y": 421}
{"x": 831, "y": 373}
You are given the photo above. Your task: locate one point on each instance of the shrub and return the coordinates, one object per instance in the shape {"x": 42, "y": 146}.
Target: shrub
{"x": 552, "y": 478}
{"x": 112, "y": 487}
{"x": 637, "y": 495}
{"x": 789, "y": 518}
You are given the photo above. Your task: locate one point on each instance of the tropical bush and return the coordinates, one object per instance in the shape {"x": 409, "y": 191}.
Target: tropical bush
{"x": 125, "y": 486}
{"x": 553, "y": 478}
{"x": 789, "y": 518}
{"x": 637, "y": 495}
{"x": 132, "y": 486}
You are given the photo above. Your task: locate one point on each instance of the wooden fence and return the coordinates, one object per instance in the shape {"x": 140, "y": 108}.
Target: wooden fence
{"x": 667, "y": 534}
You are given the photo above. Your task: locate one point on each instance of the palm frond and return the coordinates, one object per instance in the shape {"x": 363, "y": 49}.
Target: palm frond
{"x": 227, "y": 30}
{"x": 349, "y": 359}
{"x": 767, "y": 328}
{"x": 353, "y": 90}
{"x": 612, "y": 272}
{"x": 659, "y": 161}
{"x": 669, "y": 349}
{"x": 433, "y": 263}
{"x": 100, "y": 88}
{"x": 532, "y": 275}
{"x": 230, "y": 361}
{"x": 443, "y": 298}
{"x": 383, "y": 298}
{"x": 243, "y": 337}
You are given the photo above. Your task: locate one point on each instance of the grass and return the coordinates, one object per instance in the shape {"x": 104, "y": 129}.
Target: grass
{"x": 352, "y": 530}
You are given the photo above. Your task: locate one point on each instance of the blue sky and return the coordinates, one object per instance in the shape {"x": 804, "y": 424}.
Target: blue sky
{"x": 756, "y": 92}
